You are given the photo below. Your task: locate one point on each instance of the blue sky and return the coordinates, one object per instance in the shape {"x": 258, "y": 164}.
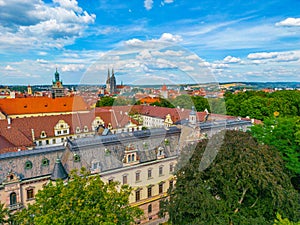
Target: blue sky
{"x": 149, "y": 41}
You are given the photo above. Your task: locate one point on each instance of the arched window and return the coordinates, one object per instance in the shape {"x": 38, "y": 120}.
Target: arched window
{"x": 128, "y": 158}
{"x": 149, "y": 208}
{"x": 132, "y": 158}
{"x": 13, "y": 198}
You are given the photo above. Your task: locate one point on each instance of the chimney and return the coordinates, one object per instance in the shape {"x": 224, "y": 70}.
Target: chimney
{"x": 32, "y": 134}
{"x": 8, "y": 122}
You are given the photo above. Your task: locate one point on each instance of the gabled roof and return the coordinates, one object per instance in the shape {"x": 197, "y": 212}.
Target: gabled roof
{"x": 35, "y": 105}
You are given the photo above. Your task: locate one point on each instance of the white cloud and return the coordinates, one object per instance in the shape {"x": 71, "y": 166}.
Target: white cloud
{"x": 72, "y": 67}
{"x": 274, "y": 56}
{"x": 69, "y": 4}
{"x": 168, "y": 1}
{"x": 262, "y": 55}
{"x": 231, "y": 59}
{"x": 39, "y": 25}
{"x": 9, "y": 68}
{"x": 192, "y": 57}
{"x": 41, "y": 61}
{"x": 289, "y": 22}
{"x": 148, "y": 4}
{"x": 164, "y": 40}
{"x": 170, "y": 37}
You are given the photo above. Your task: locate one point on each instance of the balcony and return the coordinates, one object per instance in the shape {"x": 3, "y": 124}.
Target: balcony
{"x": 15, "y": 206}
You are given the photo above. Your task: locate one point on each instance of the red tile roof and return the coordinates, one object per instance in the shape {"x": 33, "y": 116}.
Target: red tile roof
{"x": 35, "y": 105}
{"x": 19, "y": 132}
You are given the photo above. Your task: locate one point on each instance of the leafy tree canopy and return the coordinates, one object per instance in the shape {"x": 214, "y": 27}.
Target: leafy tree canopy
{"x": 84, "y": 199}
{"x": 244, "y": 184}
{"x": 261, "y": 105}
{"x": 283, "y": 134}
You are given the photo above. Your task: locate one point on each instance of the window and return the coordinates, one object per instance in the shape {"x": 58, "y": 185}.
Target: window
{"x": 160, "y": 188}
{"x": 160, "y": 172}
{"x": 53, "y": 141}
{"x": 149, "y": 192}
{"x": 45, "y": 162}
{"x": 132, "y": 157}
{"x": 76, "y": 158}
{"x": 110, "y": 180}
{"x": 59, "y": 132}
{"x": 28, "y": 165}
{"x": 128, "y": 158}
{"x": 137, "y": 176}
{"x": 62, "y": 139}
{"x": 65, "y": 131}
{"x": 150, "y": 208}
{"x": 40, "y": 143}
{"x": 149, "y": 173}
{"x": 86, "y": 129}
{"x": 47, "y": 142}
{"x": 43, "y": 134}
{"x": 30, "y": 194}
{"x": 124, "y": 179}
{"x": 13, "y": 198}
{"x": 137, "y": 195}
{"x": 171, "y": 168}
{"x": 171, "y": 184}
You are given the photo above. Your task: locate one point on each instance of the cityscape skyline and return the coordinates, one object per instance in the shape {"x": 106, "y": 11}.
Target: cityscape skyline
{"x": 149, "y": 41}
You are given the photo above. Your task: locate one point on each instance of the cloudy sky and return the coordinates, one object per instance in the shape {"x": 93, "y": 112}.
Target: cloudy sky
{"x": 149, "y": 41}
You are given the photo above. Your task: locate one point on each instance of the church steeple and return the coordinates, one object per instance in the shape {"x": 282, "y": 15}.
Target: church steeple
{"x": 108, "y": 76}
{"x": 56, "y": 75}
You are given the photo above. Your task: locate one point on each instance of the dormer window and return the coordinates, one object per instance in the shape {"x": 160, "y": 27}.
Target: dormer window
{"x": 28, "y": 165}
{"x": 167, "y": 142}
{"x": 86, "y": 129}
{"x": 43, "y": 134}
{"x": 77, "y": 130}
{"x": 76, "y": 158}
{"x": 160, "y": 151}
{"x": 45, "y": 162}
{"x": 107, "y": 151}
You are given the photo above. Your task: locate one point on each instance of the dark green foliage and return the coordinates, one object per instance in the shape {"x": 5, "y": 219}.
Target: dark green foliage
{"x": 245, "y": 184}
{"x": 163, "y": 103}
{"x": 84, "y": 200}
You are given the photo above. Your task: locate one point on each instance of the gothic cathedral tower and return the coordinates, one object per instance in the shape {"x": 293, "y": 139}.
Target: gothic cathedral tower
{"x": 111, "y": 86}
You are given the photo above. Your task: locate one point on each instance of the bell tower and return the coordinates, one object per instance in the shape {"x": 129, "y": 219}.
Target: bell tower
{"x": 57, "y": 86}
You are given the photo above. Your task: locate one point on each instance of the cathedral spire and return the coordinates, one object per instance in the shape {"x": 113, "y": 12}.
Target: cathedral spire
{"x": 108, "y": 76}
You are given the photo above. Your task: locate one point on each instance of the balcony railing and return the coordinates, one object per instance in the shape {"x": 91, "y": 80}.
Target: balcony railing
{"x": 15, "y": 206}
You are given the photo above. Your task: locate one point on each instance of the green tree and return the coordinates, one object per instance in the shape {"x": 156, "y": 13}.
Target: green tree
{"x": 84, "y": 199}
{"x": 105, "y": 101}
{"x": 281, "y": 133}
{"x": 201, "y": 103}
{"x": 3, "y": 214}
{"x": 244, "y": 184}
{"x": 183, "y": 101}
{"x": 280, "y": 221}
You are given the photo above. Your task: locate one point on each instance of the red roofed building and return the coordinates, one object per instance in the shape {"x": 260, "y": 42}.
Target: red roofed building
{"x": 41, "y": 106}
{"x": 28, "y": 132}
